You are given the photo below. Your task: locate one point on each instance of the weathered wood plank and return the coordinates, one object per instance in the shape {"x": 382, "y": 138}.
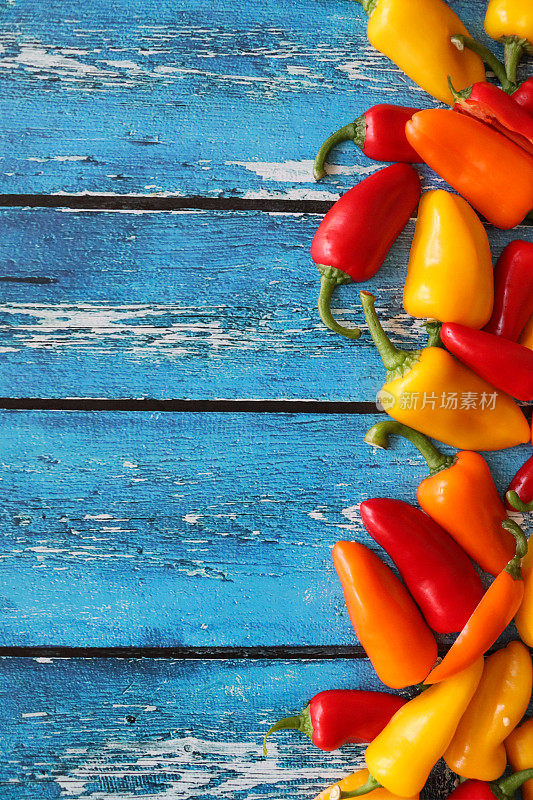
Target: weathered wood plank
{"x": 186, "y": 529}
{"x": 142, "y": 729}
{"x": 188, "y": 305}
{"x": 185, "y": 96}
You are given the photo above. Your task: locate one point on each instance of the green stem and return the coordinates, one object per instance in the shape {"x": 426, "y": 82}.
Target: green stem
{"x": 368, "y": 5}
{"x": 371, "y": 784}
{"x": 433, "y": 328}
{"x": 392, "y": 357}
{"x": 461, "y": 41}
{"x": 353, "y": 132}
{"x": 329, "y": 280}
{"x": 509, "y": 786}
{"x": 513, "y": 567}
{"x": 514, "y": 48}
{"x": 301, "y": 723}
{"x": 518, "y": 505}
{"x": 378, "y": 436}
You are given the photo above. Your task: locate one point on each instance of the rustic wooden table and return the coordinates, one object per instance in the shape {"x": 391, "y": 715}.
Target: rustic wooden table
{"x": 181, "y": 439}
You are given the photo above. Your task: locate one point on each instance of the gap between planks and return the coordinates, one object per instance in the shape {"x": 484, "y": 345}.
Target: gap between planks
{"x": 176, "y": 405}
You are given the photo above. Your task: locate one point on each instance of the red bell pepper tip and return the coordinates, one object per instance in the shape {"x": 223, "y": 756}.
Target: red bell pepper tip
{"x": 354, "y": 131}
{"x": 300, "y": 723}
{"x": 513, "y": 501}
{"x": 461, "y": 41}
{"x": 378, "y": 436}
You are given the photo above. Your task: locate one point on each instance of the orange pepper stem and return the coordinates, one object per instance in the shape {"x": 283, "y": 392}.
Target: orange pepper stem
{"x": 330, "y": 278}
{"x": 509, "y": 786}
{"x": 371, "y": 784}
{"x": 378, "y": 436}
{"x": 513, "y": 567}
{"x": 518, "y": 505}
{"x": 353, "y": 132}
{"x": 394, "y": 359}
{"x": 461, "y": 41}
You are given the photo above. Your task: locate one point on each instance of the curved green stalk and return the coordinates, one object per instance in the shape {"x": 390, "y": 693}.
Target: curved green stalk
{"x": 514, "y": 49}
{"x": 301, "y": 723}
{"x": 513, "y": 567}
{"x": 509, "y": 786}
{"x": 378, "y": 436}
{"x": 329, "y": 280}
{"x": 353, "y": 132}
{"x": 518, "y": 505}
{"x": 371, "y": 784}
{"x": 461, "y": 41}
{"x": 397, "y": 362}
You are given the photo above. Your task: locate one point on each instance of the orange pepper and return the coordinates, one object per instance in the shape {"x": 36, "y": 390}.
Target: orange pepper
{"x": 526, "y": 337}
{"x": 460, "y": 495}
{"x": 387, "y": 622}
{"x": 519, "y": 746}
{"x": 487, "y": 169}
{"x": 355, "y": 781}
{"x": 498, "y": 606}
{"x": 524, "y": 616}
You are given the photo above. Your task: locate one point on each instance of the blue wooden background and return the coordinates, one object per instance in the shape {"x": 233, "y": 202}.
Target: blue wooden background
{"x": 182, "y": 533}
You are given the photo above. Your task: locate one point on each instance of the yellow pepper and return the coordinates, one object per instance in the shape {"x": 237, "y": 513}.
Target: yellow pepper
{"x": 511, "y": 21}
{"x": 415, "y": 35}
{"x": 477, "y": 749}
{"x": 526, "y": 337}
{"x": 432, "y": 392}
{"x": 524, "y": 616}
{"x": 355, "y": 781}
{"x": 401, "y": 757}
{"x": 519, "y": 748}
{"x": 450, "y": 276}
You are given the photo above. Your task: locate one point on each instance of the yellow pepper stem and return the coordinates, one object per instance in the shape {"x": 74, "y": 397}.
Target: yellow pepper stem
{"x": 461, "y": 41}
{"x": 395, "y": 361}
{"x": 514, "y": 49}
{"x": 371, "y": 784}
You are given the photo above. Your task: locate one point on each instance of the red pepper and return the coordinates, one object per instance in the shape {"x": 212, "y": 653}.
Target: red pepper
{"x": 339, "y": 716}
{"x": 504, "y": 789}
{"x": 506, "y": 365}
{"x": 379, "y": 133}
{"x": 494, "y": 107}
{"x": 357, "y": 233}
{"x": 435, "y": 569}
{"x": 513, "y": 291}
{"x": 524, "y": 95}
{"x": 519, "y": 496}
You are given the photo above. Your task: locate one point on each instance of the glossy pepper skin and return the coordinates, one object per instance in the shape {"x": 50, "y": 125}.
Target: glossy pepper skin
{"x": 355, "y": 781}
{"x": 342, "y": 716}
{"x": 519, "y": 496}
{"x": 500, "y": 603}
{"x": 450, "y": 248}
{"x": 513, "y": 291}
{"x": 492, "y": 106}
{"x": 437, "y": 572}
{"x": 460, "y": 495}
{"x": 416, "y": 37}
{"x": 506, "y": 19}
{"x": 524, "y": 95}
{"x": 506, "y": 365}
{"x": 401, "y": 757}
{"x": 519, "y": 746}
{"x": 432, "y": 374}
{"x": 492, "y": 173}
{"x": 526, "y": 337}
{"x": 477, "y": 749}
{"x": 388, "y": 624}
{"x": 524, "y": 616}
{"x": 358, "y": 231}
{"x": 379, "y": 133}
{"x": 503, "y": 789}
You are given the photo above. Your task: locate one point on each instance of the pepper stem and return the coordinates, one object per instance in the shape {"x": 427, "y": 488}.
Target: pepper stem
{"x": 514, "y": 48}
{"x": 300, "y": 723}
{"x": 368, "y": 5}
{"x": 513, "y": 567}
{"x": 391, "y": 356}
{"x": 433, "y": 329}
{"x": 329, "y": 280}
{"x": 509, "y": 786}
{"x": 460, "y": 41}
{"x": 371, "y": 784}
{"x": 378, "y": 436}
{"x": 518, "y": 505}
{"x": 353, "y": 132}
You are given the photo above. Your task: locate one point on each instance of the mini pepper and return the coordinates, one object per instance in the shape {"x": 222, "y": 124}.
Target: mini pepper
{"x": 415, "y": 35}
{"x": 459, "y": 494}
{"x": 477, "y": 749}
{"x": 513, "y": 290}
{"x": 341, "y": 716}
{"x": 519, "y": 496}
{"x": 511, "y": 22}
{"x": 386, "y": 620}
{"x": 379, "y": 133}
{"x": 450, "y": 275}
{"x": 504, "y": 789}
{"x": 358, "y": 231}
{"x": 420, "y": 383}
{"x": 355, "y": 781}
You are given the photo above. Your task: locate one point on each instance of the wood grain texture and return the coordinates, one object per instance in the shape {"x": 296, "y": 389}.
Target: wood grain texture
{"x": 188, "y": 96}
{"x": 168, "y": 730}
{"x": 187, "y": 529}
{"x": 185, "y": 305}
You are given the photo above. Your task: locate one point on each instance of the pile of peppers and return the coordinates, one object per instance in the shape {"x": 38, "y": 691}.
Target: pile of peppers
{"x": 458, "y": 563}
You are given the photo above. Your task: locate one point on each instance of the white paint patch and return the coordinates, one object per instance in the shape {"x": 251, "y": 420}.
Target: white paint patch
{"x": 352, "y": 512}
{"x": 298, "y": 171}
{"x": 44, "y": 660}
{"x": 35, "y": 714}
{"x": 192, "y": 519}
{"x": 58, "y": 158}
{"x": 317, "y": 515}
